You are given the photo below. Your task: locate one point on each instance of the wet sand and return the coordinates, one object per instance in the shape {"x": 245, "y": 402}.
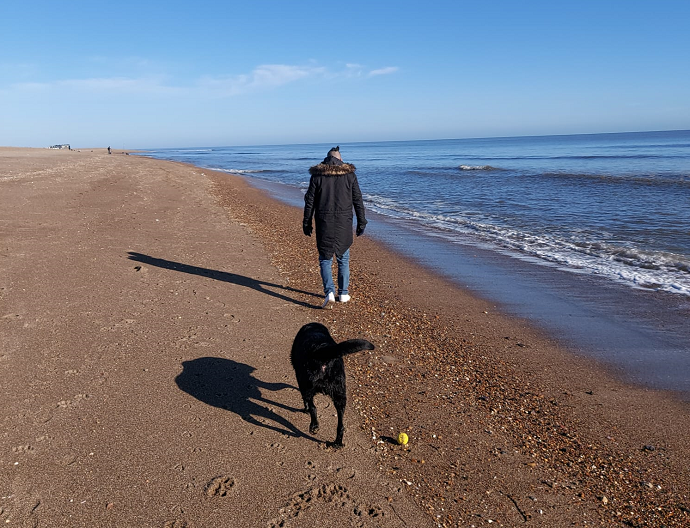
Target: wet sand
{"x": 639, "y": 335}
{"x": 147, "y": 314}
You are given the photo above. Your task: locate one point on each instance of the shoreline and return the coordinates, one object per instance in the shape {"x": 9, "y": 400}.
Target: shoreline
{"x": 149, "y": 268}
{"x": 603, "y": 421}
{"x": 637, "y": 335}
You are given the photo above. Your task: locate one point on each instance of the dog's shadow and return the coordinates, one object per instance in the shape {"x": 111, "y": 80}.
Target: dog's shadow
{"x": 229, "y": 385}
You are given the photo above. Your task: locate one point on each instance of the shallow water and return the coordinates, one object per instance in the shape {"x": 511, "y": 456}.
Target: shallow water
{"x": 641, "y": 335}
{"x": 611, "y": 205}
{"x": 587, "y": 236}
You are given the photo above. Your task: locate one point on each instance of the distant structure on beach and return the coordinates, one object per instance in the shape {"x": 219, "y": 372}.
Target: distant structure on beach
{"x": 64, "y": 146}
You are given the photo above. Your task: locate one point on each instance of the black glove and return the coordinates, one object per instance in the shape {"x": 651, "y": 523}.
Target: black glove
{"x": 307, "y": 228}
{"x": 360, "y": 229}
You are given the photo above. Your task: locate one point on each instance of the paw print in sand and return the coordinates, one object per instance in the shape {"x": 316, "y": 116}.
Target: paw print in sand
{"x": 220, "y": 486}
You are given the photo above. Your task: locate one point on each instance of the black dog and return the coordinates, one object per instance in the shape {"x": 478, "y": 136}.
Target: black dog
{"x": 319, "y": 367}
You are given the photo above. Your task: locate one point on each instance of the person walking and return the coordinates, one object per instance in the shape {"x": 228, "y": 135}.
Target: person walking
{"x": 332, "y": 194}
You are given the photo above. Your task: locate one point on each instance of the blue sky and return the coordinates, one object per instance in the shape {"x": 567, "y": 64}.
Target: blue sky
{"x": 171, "y": 74}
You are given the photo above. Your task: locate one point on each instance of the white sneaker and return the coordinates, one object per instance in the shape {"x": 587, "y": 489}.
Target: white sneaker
{"x": 343, "y": 298}
{"x": 329, "y": 299}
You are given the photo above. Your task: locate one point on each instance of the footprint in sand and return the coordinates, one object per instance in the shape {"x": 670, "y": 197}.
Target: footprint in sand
{"x": 66, "y": 404}
{"x": 220, "y": 486}
{"x": 278, "y": 447}
{"x": 319, "y": 499}
{"x": 348, "y": 472}
{"x": 23, "y": 449}
{"x": 178, "y": 523}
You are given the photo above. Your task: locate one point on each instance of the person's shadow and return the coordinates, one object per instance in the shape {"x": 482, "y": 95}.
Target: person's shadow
{"x": 224, "y": 276}
{"x": 229, "y": 385}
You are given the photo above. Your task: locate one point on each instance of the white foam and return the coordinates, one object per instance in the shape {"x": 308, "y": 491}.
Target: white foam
{"x": 477, "y": 167}
{"x": 637, "y": 268}
{"x": 237, "y": 171}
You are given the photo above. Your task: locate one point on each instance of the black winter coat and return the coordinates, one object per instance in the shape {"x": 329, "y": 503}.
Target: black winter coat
{"x": 333, "y": 192}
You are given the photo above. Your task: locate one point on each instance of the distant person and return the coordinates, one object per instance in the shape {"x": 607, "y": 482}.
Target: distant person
{"x": 333, "y": 192}
{"x": 109, "y": 151}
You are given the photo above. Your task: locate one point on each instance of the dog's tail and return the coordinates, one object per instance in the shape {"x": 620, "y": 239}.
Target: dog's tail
{"x": 343, "y": 349}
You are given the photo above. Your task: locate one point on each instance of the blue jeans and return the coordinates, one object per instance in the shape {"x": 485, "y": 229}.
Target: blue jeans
{"x": 343, "y": 273}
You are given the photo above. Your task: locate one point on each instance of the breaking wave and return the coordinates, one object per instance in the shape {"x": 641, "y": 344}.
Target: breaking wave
{"x": 477, "y": 168}
{"x": 656, "y": 270}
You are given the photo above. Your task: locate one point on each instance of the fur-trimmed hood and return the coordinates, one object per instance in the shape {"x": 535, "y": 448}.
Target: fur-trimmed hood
{"x": 327, "y": 169}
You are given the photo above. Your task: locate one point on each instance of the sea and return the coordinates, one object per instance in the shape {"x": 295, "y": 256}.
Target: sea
{"x": 580, "y": 228}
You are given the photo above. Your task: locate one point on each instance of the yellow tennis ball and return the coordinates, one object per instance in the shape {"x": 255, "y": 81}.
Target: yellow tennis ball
{"x": 402, "y": 439}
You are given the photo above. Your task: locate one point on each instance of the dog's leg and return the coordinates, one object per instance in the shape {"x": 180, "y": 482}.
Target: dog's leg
{"x": 311, "y": 408}
{"x": 339, "y": 404}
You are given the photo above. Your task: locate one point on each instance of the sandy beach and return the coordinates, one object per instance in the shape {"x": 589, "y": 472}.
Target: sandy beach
{"x": 147, "y": 309}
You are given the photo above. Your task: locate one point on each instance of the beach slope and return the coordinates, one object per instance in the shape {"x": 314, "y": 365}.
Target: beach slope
{"x": 147, "y": 310}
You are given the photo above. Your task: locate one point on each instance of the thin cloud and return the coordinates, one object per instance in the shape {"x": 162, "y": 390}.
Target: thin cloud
{"x": 99, "y": 85}
{"x": 118, "y": 84}
{"x": 262, "y": 77}
{"x": 353, "y": 70}
{"x": 384, "y": 71}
